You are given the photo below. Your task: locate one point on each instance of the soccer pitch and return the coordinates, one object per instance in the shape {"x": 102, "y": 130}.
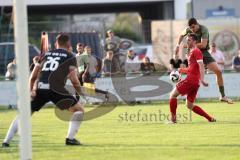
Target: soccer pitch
{"x": 134, "y": 133}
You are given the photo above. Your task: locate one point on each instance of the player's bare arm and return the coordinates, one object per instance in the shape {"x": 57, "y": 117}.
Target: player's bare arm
{"x": 201, "y": 68}
{"x": 73, "y": 76}
{"x": 180, "y": 39}
{"x": 202, "y": 44}
{"x": 33, "y": 76}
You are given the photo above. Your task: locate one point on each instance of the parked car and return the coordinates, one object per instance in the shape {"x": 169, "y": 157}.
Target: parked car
{"x": 7, "y": 54}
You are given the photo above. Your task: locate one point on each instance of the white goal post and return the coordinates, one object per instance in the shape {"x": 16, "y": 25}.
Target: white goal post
{"x": 23, "y": 94}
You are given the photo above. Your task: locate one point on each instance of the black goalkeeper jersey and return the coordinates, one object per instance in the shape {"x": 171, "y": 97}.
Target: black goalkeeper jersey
{"x": 55, "y": 67}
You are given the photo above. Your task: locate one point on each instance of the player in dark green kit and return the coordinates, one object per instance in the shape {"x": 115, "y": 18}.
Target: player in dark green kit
{"x": 203, "y": 44}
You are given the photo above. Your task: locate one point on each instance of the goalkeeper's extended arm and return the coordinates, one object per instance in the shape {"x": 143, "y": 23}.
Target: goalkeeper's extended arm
{"x": 73, "y": 76}
{"x": 33, "y": 76}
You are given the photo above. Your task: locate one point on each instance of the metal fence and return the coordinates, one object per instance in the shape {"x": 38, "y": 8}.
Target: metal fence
{"x": 161, "y": 34}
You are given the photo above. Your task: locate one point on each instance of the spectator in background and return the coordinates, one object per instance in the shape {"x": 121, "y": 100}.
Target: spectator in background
{"x": 236, "y": 62}
{"x": 112, "y": 42}
{"x": 175, "y": 63}
{"x": 80, "y": 48}
{"x": 99, "y": 67}
{"x": 132, "y": 64}
{"x": 218, "y": 56}
{"x": 93, "y": 63}
{"x": 82, "y": 64}
{"x": 110, "y": 64}
{"x": 87, "y": 65}
{"x": 147, "y": 66}
{"x": 11, "y": 70}
{"x": 89, "y": 73}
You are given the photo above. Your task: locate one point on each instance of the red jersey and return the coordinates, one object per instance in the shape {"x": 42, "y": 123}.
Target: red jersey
{"x": 193, "y": 72}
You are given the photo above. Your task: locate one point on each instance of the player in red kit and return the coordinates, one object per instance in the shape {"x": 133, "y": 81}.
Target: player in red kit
{"x": 189, "y": 86}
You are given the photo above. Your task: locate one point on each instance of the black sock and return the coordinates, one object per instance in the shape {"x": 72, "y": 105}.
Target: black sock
{"x": 221, "y": 90}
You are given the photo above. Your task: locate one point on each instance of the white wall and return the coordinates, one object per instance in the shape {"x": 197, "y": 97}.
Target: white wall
{"x": 180, "y": 9}
{"x": 62, "y": 2}
{"x": 232, "y": 88}
{"x": 199, "y": 10}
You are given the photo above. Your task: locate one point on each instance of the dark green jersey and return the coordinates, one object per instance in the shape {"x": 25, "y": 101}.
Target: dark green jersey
{"x": 202, "y": 33}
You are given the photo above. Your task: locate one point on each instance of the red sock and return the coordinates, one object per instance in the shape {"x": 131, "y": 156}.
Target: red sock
{"x": 173, "y": 108}
{"x": 201, "y": 112}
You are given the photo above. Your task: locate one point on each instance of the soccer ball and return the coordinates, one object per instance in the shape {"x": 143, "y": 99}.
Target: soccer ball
{"x": 175, "y": 76}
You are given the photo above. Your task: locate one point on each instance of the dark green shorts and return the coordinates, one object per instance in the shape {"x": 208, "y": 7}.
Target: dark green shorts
{"x": 207, "y": 58}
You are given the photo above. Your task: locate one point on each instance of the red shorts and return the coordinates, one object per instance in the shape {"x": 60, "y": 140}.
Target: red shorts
{"x": 186, "y": 87}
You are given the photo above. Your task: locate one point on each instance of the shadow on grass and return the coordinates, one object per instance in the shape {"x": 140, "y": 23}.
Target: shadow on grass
{"x": 62, "y": 146}
{"x": 156, "y": 145}
{"x": 56, "y": 147}
{"x": 183, "y": 123}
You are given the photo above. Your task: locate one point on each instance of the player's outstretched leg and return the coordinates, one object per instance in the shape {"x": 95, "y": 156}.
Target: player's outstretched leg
{"x": 74, "y": 124}
{"x": 219, "y": 78}
{"x": 11, "y": 132}
{"x": 198, "y": 110}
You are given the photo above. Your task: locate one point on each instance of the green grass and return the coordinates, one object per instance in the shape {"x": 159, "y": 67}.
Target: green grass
{"x": 111, "y": 137}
